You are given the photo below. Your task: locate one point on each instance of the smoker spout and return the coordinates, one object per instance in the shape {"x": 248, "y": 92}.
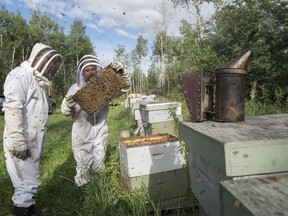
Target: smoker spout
{"x": 240, "y": 61}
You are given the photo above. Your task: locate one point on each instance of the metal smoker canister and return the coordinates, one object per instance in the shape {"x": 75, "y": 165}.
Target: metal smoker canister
{"x": 230, "y": 94}
{"x": 231, "y": 88}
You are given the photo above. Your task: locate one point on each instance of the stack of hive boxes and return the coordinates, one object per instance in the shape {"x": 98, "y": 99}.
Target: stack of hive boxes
{"x": 158, "y": 117}
{"x": 224, "y": 156}
{"x": 156, "y": 164}
{"x": 134, "y": 104}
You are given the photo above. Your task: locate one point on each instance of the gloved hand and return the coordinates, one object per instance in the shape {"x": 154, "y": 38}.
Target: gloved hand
{"x": 70, "y": 101}
{"x": 22, "y": 155}
{"x": 67, "y": 105}
{"x": 119, "y": 67}
{"x": 15, "y": 131}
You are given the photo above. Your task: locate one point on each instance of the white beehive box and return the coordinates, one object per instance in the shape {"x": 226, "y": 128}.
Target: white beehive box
{"x": 148, "y": 97}
{"x": 126, "y": 103}
{"x": 137, "y": 115}
{"x": 160, "y": 186}
{"x": 225, "y": 151}
{"x": 159, "y": 111}
{"x": 150, "y": 154}
{"x": 136, "y": 110}
{"x": 133, "y": 100}
{"x": 160, "y": 128}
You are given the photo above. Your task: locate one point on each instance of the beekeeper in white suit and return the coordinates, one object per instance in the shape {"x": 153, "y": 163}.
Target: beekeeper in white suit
{"x": 89, "y": 132}
{"x": 26, "y": 113}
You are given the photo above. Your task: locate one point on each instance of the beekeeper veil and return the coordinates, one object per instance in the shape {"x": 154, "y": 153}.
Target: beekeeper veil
{"x": 87, "y": 60}
{"x": 45, "y": 61}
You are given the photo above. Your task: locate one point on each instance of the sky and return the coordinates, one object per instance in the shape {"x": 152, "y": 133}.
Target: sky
{"x": 110, "y": 23}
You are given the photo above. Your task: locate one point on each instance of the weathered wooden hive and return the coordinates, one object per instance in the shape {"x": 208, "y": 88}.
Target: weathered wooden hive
{"x": 154, "y": 162}
{"x": 220, "y": 151}
{"x": 100, "y": 90}
{"x": 158, "y": 117}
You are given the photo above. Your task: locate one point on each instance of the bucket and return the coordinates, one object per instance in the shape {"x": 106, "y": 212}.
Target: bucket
{"x": 230, "y": 94}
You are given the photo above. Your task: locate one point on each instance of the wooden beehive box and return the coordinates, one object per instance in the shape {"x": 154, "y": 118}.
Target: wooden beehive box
{"x": 150, "y": 154}
{"x": 259, "y": 196}
{"x": 159, "y": 111}
{"x": 226, "y": 151}
{"x": 100, "y": 90}
{"x": 160, "y": 128}
{"x": 136, "y": 110}
{"x": 160, "y": 186}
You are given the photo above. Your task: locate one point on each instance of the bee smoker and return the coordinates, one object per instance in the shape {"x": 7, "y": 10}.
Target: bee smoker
{"x": 231, "y": 88}
{"x": 231, "y": 82}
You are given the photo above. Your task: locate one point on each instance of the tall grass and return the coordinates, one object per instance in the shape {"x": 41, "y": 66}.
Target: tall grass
{"x": 254, "y": 108}
{"x": 58, "y": 194}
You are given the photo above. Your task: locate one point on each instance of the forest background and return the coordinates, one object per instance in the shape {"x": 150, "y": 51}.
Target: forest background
{"x": 236, "y": 26}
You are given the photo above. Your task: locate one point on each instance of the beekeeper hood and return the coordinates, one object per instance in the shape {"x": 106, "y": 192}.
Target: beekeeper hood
{"x": 87, "y": 60}
{"x": 45, "y": 61}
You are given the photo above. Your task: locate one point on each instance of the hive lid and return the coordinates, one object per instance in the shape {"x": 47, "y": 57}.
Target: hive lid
{"x": 158, "y": 105}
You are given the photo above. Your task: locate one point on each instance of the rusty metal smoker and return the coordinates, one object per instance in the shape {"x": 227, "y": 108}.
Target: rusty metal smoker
{"x": 231, "y": 84}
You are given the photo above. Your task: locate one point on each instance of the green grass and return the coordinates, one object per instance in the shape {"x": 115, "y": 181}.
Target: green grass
{"x": 58, "y": 194}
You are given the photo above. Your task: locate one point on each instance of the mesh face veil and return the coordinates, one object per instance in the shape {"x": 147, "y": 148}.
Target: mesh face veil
{"x": 85, "y": 61}
{"x": 47, "y": 62}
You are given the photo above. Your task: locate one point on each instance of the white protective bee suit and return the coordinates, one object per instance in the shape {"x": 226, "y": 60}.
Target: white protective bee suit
{"x": 89, "y": 132}
{"x": 26, "y": 113}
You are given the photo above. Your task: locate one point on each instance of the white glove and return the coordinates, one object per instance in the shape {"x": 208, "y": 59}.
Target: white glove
{"x": 15, "y": 130}
{"x": 67, "y": 104}
{"x": 119, "y": 67}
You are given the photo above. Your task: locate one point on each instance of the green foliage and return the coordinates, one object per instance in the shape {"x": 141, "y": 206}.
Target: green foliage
{"x": 18, "y": 38}
{"x": 105, "y": 198}
{"x": 58, "y": 194}
{"x": 257, "y": 108}
{"x": 13, "y": 40}
{"x": 261, "y": 26}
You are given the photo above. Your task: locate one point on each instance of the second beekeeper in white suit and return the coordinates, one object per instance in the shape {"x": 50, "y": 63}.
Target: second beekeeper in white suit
{"x": 89, "y": 132}
{"x": 26, "y": 114}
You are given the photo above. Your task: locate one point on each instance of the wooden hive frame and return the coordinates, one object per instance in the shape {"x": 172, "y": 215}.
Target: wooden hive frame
{"x": 100, "y": 90}
{"x": 130, "y": 142}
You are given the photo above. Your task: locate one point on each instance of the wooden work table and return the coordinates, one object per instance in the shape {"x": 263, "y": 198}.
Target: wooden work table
{"x": 226, "y": 151}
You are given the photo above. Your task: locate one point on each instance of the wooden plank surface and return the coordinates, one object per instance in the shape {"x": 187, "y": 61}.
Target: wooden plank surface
{"x": 156, "y": 105}
{"x": 266, "y": 127}
{"x": 256, "y": 146}
{"x": 259, "y": 196}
